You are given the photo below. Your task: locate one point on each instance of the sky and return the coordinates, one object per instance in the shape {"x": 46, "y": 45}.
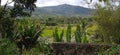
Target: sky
{"x": 43, "y": 3}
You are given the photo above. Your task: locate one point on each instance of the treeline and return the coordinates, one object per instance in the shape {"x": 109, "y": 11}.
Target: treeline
{"x": 52, "y": 21}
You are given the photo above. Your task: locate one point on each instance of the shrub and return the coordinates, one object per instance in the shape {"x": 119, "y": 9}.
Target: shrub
{"x": 8, "y": 48}
{"x": 27, "y": 32}
{"x": 108, "y": 20}
{"x": 113, "y": 50}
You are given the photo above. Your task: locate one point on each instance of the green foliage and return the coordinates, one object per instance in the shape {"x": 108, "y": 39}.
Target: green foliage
{"x": 22, "y": 7}
{"x": 56, "y": 36}
{"x": 45, "y": 46}
{"x": 42, "y": 48}
{"x": 28, "y": 32}
{"x": 33, "y": 51}
{"x": 7, "y": 27}
{"x": 68, "y": 33}
{"x": 6, "y": 24}
{"x": 78, "y": 34}
{"x": 108, "y": 20}
{"x": 84, "y": 38}
{"x": 8, "y": 48}
{"x": 7, "y": 14}
{"x": 80, "y": 37}
{"x": 113, "y": 50}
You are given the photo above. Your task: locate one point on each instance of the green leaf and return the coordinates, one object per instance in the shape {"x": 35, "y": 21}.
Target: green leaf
{"x": 68, "y": 33}
{"x": 84, "y": 38}
{"x": 61, "y": 35}
{"x": 78, "y": 34}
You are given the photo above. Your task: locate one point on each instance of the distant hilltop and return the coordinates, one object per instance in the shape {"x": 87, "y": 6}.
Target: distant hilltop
{"x": 63, "y": 10}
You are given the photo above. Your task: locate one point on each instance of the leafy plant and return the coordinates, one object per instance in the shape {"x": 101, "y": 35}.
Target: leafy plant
{"x": 7, "y": 13}
{"x": 113, "y": 50}
{"x": 45, "y": 46}
{"x": 7, "y": 47}
{"x": 78, "y": 34}
{"x": 68, "y": 33}
{"x": 42, "y": 48}
{"x": 6, "y": 24}
{"x": 84, "y": 39}
{"x": 108, "y": 19}
{"x": 27, "y": 32}
{"x": 80, "y": 37}
{"x": 56, "y": 36}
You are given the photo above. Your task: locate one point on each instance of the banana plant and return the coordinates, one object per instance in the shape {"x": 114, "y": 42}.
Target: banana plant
{"x": 56, "y": 36}
{"x": 68, "y": 33}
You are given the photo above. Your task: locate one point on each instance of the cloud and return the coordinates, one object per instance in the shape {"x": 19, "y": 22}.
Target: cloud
{"x": 42, "y": 3}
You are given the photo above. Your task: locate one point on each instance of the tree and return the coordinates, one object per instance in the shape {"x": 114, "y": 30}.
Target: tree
{"x": 108, "y": 20}
{"x": 20, "y": 8}
{"x": 7, "y": 19}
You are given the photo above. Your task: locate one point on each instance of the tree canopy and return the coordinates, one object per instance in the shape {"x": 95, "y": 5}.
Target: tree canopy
{"x": 20, "y": 7}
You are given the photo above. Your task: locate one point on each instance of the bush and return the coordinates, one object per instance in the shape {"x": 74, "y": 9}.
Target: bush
{"x": 113, "y": 50}
{"x": 27, "y": 32}
{"x": 108, "y": 21}
{"x": 8, "y": 48}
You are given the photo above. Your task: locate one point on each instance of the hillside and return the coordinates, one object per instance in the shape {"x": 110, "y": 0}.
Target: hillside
{"x": 62, "y": 10}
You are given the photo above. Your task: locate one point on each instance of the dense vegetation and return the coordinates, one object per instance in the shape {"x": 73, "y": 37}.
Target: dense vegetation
{"x": 33, "y": 36}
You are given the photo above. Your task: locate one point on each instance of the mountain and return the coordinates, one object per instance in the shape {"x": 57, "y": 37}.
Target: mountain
{"x": 62, "y": 10}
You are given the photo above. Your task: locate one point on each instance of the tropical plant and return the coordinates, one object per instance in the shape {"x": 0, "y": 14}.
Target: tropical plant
{"x": 84, "y": 38}
{"x": 56, "y": 36}
{"x": 7, "y": 14}
{"x": 27, "y": 32}
{"x": 68, "y": 33}
{"x": 80, "y": 36}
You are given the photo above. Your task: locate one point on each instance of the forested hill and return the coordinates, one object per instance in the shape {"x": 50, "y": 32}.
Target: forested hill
{"x": 62, "y": 10}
